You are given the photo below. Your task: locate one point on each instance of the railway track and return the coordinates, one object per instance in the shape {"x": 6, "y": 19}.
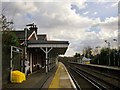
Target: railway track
{"x": 89, "y": 79}
{"x": 109, "y": 72}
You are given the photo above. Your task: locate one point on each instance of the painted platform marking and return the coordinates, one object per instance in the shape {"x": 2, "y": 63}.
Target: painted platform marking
{"x": 55, "y": 81}
{"x": 62, "y": 78}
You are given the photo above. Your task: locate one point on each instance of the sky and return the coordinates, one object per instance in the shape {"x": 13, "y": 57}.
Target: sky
{"x": 81, "y": 22}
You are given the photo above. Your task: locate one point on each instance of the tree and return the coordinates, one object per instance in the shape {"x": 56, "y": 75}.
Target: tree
{"x": 6, "y": 25}
{"x": 88, "y": 52}
{"x": 8, "y": 38}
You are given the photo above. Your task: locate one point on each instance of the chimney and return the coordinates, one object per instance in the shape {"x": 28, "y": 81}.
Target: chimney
{"x": 33, "y": 27}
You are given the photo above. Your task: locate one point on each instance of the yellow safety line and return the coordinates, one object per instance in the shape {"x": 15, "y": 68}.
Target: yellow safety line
{"x": 56, "y": 79}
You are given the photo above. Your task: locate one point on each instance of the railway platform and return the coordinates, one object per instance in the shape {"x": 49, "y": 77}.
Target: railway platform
{"x": 58, "y": 78}
{"x": 62, "y": 78}
{"x": 34, "y": 81}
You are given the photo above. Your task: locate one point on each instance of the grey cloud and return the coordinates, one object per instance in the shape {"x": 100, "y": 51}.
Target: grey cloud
{"x": 59, "y": 22}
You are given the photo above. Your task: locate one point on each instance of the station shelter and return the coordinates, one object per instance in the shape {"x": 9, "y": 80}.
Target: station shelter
{"x": 41, "y": 53}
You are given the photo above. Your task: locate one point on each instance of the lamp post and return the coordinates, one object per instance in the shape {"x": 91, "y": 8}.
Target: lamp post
{"x": 109, "y": 51}
{"x": 98, "y": 53}
{"x": 115, "y": 40}
{"x": 25, "y": 43}
{"x": 25, "y": 47}
{"x": 118, "y": 57}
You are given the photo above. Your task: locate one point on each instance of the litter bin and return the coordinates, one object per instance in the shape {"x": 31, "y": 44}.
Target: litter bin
{"x": 17, "y": 76}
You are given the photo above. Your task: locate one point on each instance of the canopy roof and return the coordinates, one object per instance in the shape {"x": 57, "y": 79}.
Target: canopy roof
{"x": 58, "y": 47}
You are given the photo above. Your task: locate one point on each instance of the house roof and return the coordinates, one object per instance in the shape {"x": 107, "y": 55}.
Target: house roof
{"x": 21, "y": 34}
{"x": 42, "y": 37}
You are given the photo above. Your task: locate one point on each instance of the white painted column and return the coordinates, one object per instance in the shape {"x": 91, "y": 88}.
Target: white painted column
{"x": 57, "y": 60}
{"x": 46, "y": 56}
{"x": 31, "y": 62}
{"x": 49, "y": 64}
{"x": 11, "y": 64}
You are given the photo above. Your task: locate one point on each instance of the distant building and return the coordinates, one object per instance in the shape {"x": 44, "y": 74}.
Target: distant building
{"x": 86, "y": 60}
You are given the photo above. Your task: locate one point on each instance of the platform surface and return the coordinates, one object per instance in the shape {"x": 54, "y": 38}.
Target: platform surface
{"x": 62, "y": 78}
{"x": 34, "y": 81}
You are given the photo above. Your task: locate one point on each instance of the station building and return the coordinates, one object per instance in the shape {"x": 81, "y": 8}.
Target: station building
{"x": 40, "y": 52}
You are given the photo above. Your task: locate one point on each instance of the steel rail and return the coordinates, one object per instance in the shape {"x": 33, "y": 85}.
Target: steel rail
{"x": 74, "y": 80}
{"x": 93, "y": 82}
{"x": 98, "y": 79}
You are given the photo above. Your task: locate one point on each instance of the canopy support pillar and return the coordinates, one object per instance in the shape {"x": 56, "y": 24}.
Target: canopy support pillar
{"x": 46, "y": 51}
